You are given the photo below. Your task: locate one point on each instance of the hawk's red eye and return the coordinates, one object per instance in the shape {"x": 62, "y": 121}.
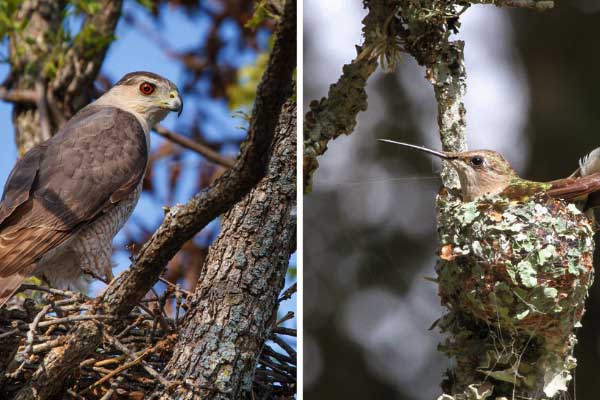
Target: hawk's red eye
{"x": 146, "y": 88}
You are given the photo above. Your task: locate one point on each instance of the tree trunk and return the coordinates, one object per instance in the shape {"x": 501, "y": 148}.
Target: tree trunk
{"x": 57, "y": 75}
{"x": 235, "y": 302}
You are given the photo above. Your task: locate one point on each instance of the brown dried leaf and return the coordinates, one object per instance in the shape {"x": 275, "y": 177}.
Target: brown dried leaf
{"x": 495, "y": 216}
{"x": 446, "y": 253}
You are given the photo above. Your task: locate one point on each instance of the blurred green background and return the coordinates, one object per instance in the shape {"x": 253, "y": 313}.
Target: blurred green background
{"x": 369, "y": 228}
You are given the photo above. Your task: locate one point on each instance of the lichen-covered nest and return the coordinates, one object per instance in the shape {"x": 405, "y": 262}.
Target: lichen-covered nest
{"x": 524, "y": 266}
{"x": 514, "y": 277}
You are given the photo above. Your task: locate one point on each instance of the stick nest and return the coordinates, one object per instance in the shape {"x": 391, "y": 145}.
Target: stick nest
{"x": 130, "y": 362}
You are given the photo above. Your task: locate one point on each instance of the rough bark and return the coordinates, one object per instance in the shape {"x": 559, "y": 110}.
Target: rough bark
{"x": 59, "y": 75}
{"x": 234, "y": 307}
{"x": 51, "y": 377}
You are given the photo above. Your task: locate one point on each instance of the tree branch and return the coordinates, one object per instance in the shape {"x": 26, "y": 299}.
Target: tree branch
{"x": 30, "y": 59}
{"x": 532, "y": 4}
{"x": 75, "y": 78}
{"x": 199, "y": 148}
{"x": 336, "y": 114}
{"x": 426, "y": 36}
{"x": 18, "y": 96}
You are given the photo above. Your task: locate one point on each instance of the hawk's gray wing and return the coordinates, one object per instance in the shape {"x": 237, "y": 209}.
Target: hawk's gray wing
{"x": 96, "y": 160}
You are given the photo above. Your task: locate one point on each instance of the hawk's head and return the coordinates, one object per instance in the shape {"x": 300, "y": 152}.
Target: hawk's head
{"x": 147, "y": 95}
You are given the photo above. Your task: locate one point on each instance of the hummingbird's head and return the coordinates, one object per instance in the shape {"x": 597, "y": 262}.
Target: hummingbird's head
{"x": 480, "y": 172}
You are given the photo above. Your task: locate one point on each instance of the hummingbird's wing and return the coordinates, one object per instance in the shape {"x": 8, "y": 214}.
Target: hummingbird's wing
{"x": 588, "y": 164}
{"x": 575, "y": 188}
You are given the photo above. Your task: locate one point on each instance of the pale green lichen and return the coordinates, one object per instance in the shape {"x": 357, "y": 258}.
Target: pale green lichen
{"x": 515, "y": 276}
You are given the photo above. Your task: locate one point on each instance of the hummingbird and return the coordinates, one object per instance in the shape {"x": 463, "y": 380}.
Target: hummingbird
{"x": 486, "y": 172}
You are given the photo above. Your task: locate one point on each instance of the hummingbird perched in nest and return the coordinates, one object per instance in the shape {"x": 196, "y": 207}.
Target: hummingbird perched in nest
{"x": 486, "y": 172}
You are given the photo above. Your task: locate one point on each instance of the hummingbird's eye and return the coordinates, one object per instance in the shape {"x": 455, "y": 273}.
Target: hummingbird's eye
{"x": 477, "y": 161}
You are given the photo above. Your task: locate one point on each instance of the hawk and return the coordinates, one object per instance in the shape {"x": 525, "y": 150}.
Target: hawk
{"x": 66, "y": 198}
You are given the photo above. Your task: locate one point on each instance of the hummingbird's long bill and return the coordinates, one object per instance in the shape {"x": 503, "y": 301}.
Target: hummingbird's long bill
{"x": 421, "y": 148}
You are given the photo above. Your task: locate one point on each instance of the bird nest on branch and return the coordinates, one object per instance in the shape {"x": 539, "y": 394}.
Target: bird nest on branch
{"x": 131, "y": 360}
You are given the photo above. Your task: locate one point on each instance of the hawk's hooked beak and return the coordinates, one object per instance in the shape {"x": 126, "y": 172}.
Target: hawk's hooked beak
{"x": 424, "y": 149}
{"x": 175, "y": 102}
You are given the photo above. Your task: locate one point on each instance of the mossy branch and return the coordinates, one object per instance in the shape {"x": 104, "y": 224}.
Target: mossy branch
{"x": 336, "y": 114}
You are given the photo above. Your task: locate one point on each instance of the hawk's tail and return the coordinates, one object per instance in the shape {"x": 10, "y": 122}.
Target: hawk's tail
{"x": 19, "y": 251}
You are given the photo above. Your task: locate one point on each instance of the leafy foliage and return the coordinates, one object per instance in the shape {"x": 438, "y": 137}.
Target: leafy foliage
{"x": 8, "y": 22}
{"x": 243, "y": 92}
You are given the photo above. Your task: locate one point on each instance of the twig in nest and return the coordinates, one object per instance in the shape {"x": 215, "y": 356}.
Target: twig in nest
{"x": 50, "y": 344}
{"x": 288, "y": 349}
{"x": 289, "y": 292}
{"x": 65, "y": 293}
{"x": 108, "y": 361}
{"x": 129, "y": 327}
{"x": 9, "y": 333}
{"x": 29, "y": 342}
{"x": 161, "y": 319}
{"x": 178, "y": 302}
{"x": 286, "y": 317}
{"x": 285, "y": 331}
{"x": 121, "y": 347}
{"x": 74, "y": 318}
{"x": 75, "y": 395}
{"x": 117, "y": 371}
{"x": 176, "y": 287}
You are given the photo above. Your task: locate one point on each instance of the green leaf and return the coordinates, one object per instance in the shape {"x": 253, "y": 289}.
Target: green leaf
{"x": 88, "y": 6}
{"x": 148, "y": 4}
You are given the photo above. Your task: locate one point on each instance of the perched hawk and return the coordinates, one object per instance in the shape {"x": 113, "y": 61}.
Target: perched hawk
{"x": 66, "y": 198}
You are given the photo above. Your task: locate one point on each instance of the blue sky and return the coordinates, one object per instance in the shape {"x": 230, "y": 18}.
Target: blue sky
{"x": 134, "y": 51}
